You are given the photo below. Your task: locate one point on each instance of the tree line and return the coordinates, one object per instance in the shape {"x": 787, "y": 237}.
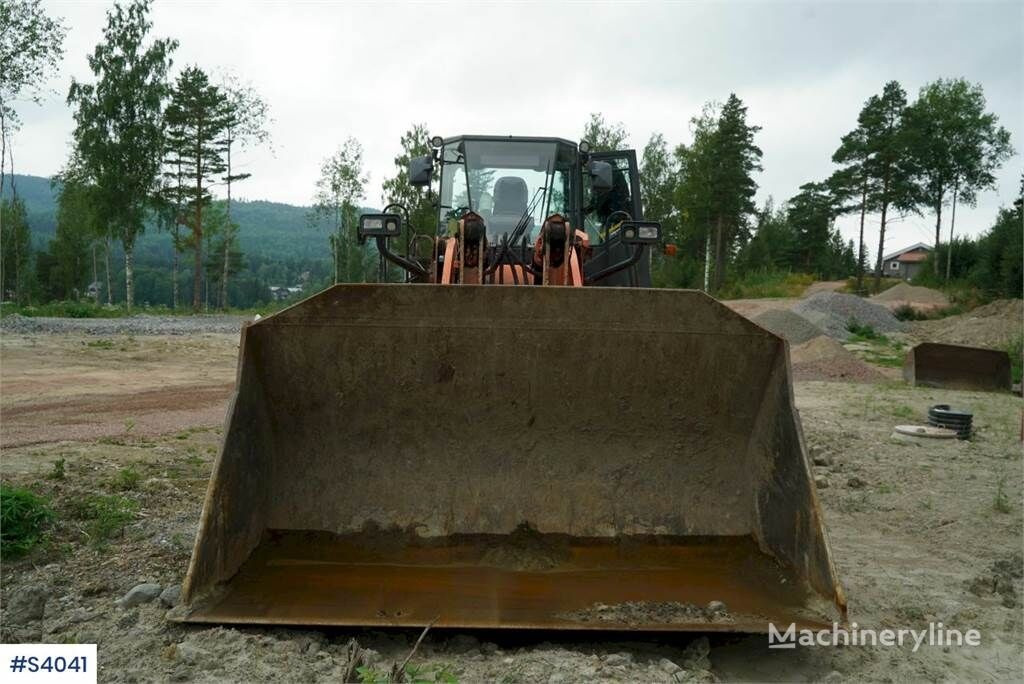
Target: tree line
{"x": 149, "y": 151}
{"x": 145, "y": 151}
{"x": 941, "y": 150}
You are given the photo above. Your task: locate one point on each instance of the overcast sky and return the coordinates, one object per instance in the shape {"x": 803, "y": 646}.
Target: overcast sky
{"x": 331, "y": 69}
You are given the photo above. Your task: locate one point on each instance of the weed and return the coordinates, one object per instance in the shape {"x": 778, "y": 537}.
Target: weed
{"x": 126, "y": 479}
{"x": 129, "y": 425}
{"x": 413, "y": 673}
{"x": 1001, "y": 502}
{"x": 1016, "y": 351}
{"x": 105, "y": 516}
{"x": 100, "y": 344}
{"x": 903, "y": 411}
{"x": 767, "y": 283}
{"x": 863, "y": 330}
{"x": 57, "y": 473}
{"x": 24, "y": 517}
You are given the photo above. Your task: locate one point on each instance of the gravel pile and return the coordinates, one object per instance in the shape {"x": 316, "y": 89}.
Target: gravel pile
{"x": 792, "y": 326}
{"x": 131, "y": 325}
{"x": 912, "y": 295}
{"x": 825, "y": 359}
{"x": 832, "y": 311}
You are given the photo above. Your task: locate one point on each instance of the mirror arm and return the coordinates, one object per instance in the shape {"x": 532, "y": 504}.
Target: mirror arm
{"x": 615, "y": 268}
{"x": 399, "y": 260}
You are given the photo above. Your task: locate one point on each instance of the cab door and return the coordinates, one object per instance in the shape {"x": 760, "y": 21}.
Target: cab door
{"x": 600, "y": 222}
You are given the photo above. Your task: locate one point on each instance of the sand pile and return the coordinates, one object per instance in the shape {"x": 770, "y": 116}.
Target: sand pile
{"x": 792, "y": 326}
{"x": 992, "y": 326}
{"x": 919, "y": 298}
{"x": 823, "y": 358}
{"x": 833, "y": 311}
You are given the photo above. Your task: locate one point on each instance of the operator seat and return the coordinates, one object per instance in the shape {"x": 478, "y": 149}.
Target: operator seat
{"x": 510, "y": 203}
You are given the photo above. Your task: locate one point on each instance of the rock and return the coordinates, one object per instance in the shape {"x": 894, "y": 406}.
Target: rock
{"x": 139, "y": 594}
{"x": 190, "y": 652}
{"x": 128, "y": 619}
{"x": 508, "y": 661}
{"x": 616, "y": 659}
{"x": 370, "y": 657}
{"x": 821, "y": 482}
{"x": 697, "y": 652}
{"x": 558, "y": 678}
{"x": 81, "y": 615}
{"x": 489, "y": 648}
{"x": 832, "y": 678}
{"x": 668, "y": 667}
{"x": 822, "y": 460}
{"x": 170, "y": 596}
{"x": 717, "y": 609}
{"x": 856, "y": 483}
{"x": 27, "y": 605}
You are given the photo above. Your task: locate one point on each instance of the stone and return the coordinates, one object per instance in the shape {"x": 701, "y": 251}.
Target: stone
{"x": 832, "y": 678}
{"x": 81, "y": 615}
{"x": 27, "y": 605}
{"x": 139, "y": 594}
{"x": 856, "y": 483}
{"x": 717, "y": 609}
{"x": 668, "y": 667}
{"x": 617, "y": 659}
{"x": 190, "y": 652}
{"x": 170, "y": 596}
{"x": 821, "y": 482}
{"x": 822, "y": 460}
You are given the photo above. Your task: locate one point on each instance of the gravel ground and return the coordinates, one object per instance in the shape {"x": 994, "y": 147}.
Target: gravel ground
{"x": 831, "y": 311}
{"x": 789, "y": 325}
{"x": 133, "y": 325}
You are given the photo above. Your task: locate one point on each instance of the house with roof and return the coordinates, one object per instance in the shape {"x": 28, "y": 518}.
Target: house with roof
{"x": 907, "y": 262}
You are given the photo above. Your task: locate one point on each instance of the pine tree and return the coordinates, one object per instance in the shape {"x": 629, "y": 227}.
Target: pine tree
{"x": 886, "y": 159}
{"x": 735, "y": 159}
{"x": 196, "y": 119}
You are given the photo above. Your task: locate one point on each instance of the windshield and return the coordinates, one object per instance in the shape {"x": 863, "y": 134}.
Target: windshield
{"x": 509, "y": 183}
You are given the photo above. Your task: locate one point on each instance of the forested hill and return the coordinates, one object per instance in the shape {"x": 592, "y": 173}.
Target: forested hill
{"x": 267, "y": 229}
{"x": 279, "y": 247}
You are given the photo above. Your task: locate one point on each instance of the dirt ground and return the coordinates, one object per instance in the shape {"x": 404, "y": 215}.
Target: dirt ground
{"x": 919, "y": 532}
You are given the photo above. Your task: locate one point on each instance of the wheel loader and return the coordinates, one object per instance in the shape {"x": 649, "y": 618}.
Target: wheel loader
{"x": 524, "y": 434}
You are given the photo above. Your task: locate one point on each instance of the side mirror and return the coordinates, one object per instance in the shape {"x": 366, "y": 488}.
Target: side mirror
{"x": 640, "y": 232}
{"x": 421, "y": 169}
{"x": 380, "y": 225}
{"x": 601, "y": 172}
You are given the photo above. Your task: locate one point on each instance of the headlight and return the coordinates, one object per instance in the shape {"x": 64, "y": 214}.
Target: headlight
{"x": 640, "y": 232}
{"x": 380, "y": 225}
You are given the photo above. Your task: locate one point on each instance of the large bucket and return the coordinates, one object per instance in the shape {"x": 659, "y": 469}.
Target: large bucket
{"x": 954, "y": 366}
{"x": 518, "y": 457}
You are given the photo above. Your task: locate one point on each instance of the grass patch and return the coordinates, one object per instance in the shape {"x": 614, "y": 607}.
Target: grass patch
{"x": 57, "y": 471}
{"x": 1016, "y": 351}
{"x": 126, "y": 480}
{"x": 874, "y": 347}
{"x": 1001, "y": 502}
{"x": 763, "y": 284}
{"x": 903, "y": 411}
{"x": 105, "y": 516}
{"x": 24, "y": 518}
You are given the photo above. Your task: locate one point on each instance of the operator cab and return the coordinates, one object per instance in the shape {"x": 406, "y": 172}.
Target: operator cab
{"x": 507, "y": 201}
{"x": 511, "y": 183}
